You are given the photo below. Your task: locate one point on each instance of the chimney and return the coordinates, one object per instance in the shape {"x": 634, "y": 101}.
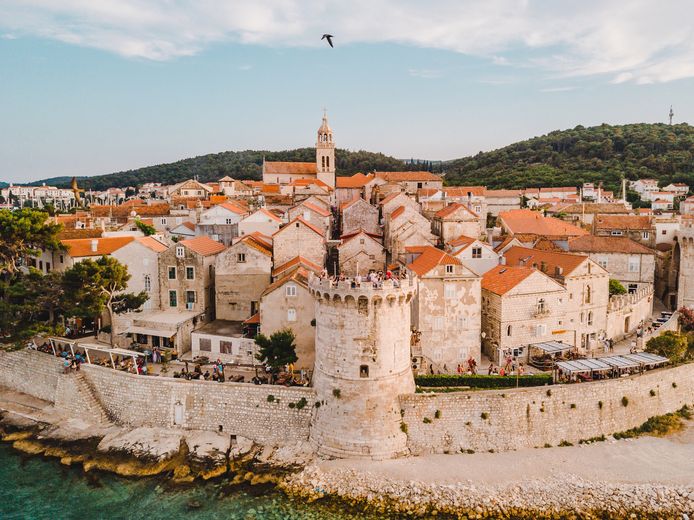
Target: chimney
{"x": 502, "y": 260}
{"x": 95, "y": 245}
{"x": 543, "y": 267}
{"x": 558, "y": 271}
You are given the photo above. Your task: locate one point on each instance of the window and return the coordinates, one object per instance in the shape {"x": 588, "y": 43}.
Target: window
{"x": 205, "y": 345}
{"x": 438, "y": 323}
{"x": 476, "y": 252}
{"x": 148, "y": 283}
{"x": 664, "y": 232}
{"x": 291, "y": 314}
{"x": 163, "y": 221}
{"x": 228, "y": 221}
{"x": 541, "y": 306}
{"x": 419, "y": 185}
{"x": 509, "y": 330}
{"x": 190, "y": 296}
{"x": 190, "y": 272}
{"x": 588, "y": 294}
{"x": 172, "y": 273}
{"x": 180, "y": 251}
{"x": 361, "y": 241}
{"x": 634, "y": 264}
{"x": 172, "y": 299}
{"x": 582, "y": 317}
{"x": 290, "y": 290}
{"x": 364, "y": 371}
{"x": 225, "y": 347}
{"x": 632, "y": 288}
{"x": 449, "y": 269}
{"x": 602, "y": 261}
{"x": 449, "y": 291}
{"x": 241, "y": 258}
{"x": 62, "y": 261}
{"x": 645, "y": 235}
{"x": 541, "y": 329}
{"x": 590, "y": 318}
{"x": 616, "y": 233}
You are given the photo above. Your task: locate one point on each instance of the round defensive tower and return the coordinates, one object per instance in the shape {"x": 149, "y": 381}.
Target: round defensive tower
{"x": 362, "y": 366}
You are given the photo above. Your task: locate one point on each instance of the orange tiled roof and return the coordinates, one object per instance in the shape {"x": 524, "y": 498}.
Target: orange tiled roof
{"x": 592, "y": 207}
{"x": 502, "y": 278}
{"x": 532, "y": 222}
{"x": 308, "y": 182}
{"x": 218, "y": 199}
{"x": 397, "y": 212}
{"x": 355, "y": 232}
{"x": 452, "y": 208}
{"x": 524, "y": 256}
{"x": 358, "y": 180}
{"x": 153, "y": 244}
{"x": 307, "y": 224}
{"x": 258, "y": 243}
{"x": 462, "y": 240}
{"x": 407, "y": 176}
{"x": 189, "y": 225}
{"x": 347, "y": 238}
{"x": 462, "y": 191}
{"x": 390, "y": 197}
{"x": 593, "y": 244}
{"x": 124, "y": 210}
{"x": 503, "y": 193}
{"x": 253, "y": 319}
{"x": 289, "y": 168}
{"x": 321, "y": 211}
{"x": 81, "y": 247}
{"x": 73, "y": 233}
{"x": 631, "y": 222}
{"x": 257, "y": 235}
{"x": 299, "y": 261}
{"x": 429, "y": 257}
{"x": 270, "y": 188}
{"x": 234, "y": 208}
{"x": 299, "y": 275}
{"x": 203, "y": 245}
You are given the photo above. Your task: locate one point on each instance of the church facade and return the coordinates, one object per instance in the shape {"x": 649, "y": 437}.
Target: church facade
{"x": 323, "y": 169}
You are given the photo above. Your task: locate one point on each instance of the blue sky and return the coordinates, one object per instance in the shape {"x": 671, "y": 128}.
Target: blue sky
{"x": 91, "y": 87}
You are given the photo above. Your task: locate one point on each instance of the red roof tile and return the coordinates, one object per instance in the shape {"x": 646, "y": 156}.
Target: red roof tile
{"x": 294, "y": 262}
{"x": 429, "y": 257}
{"x": 289, "y": 168}
{"x": 358, "y": 180}
{"x": 532, "y": 222}
{"x": 153, "y": 244}
{"x": 593, "y": 244}
{"x": 203, "y": 245}
{"x": 81, "y": 247}
{"x": 407, "y": 176}
{"x": 502, "y": 278}
{"x": 524, "y": 256}
{"x": 452, "y": 208}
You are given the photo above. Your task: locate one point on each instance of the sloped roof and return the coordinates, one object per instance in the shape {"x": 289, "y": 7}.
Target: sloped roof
{"x": 150, "y": 210}
{"x": 593, "y": 244}
{"x": 321, "y": 211}
{"x": 234, "y": 208}
{"x": 592, "y": 207}
{"x": 532, "y": 222}
{"x": 520, "y": 256}
{"x": 308, "y": 182}
{"x": 270, "y": 188}
{"x": 80, "y": 247}
{"x": 390, "y": 197}
{"x": 358, "y": 180}
{"x": 307, "y": 224}
{"x": 407, "y": 176}
{"x": 397, "y": 212}
{"x": 452, "y": 208}
{"x": 462, "y": 191}
{"x": 289, "y": 168}
{"x": 189, "y": 225}
{"x": 348, "y": 238}
{"x": 299, "y": 275}
{"x": 153, "y": 244}
{"x": 502, "y": 278}
{"x": 203, "y": 245}
{"x": 269, "y": 214}
{"x": 297, "y": 261}
{"x": 429, "y": 257}
{"x": 75, "y": 233}
{"x": 253, "y": 319}
{"x": 503, "y": 193}
{"x": 635, "y": 222}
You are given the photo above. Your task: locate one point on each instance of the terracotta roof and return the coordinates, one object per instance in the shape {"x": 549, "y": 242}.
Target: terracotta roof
{"x": 189, "y": 225}
{"x": 218, "y": 199}
{"x": 307, "y": 224}
{"x": 289, "y": 168}
{"x": 407, "y": 176}
{"x": 545, "y": 244}
{"x": 429, "y": 257}
{"x": 299, "y": 275}
{"x": 74, "y": 233}
{"x": 390, "y": 197}
{"x": 347, "y": 204}
{"x": 258, "y": 236}
{"x": 308, "y": 182}
{"x": 462, "y": 191}
{"x": 257, "y": 243}
{"x": 462, "y": 240}
{"x": 503, "y": 243}
{"x": 253, "y": 319}
{"x": 452, "y": 208}
{"x": 153, "y": 244}
{"x": 226, "y": 178}
{"x": 234, "y": 208}
{"x": 80, "y": 247}
{"x": 321, "y": 211}
{"x": 502, "y": 278}
{"x": 636, "y": 222}
{"x": 356, "y": 232}
{"x": 503, "y": 193}
{"x": 299, "y": 261}
{"x": 270, "y": 188}
{"x": 397, "y": 212}
{"x": 348, "y": 238}
{"x": 358, "y": 180}
{"x": 524, "y": 256}
{"x": 593, "y": 244}
{"x": 532, "y": 222}
{"x": 203, "y": 245}
{"x": 124, "y": 210}
{"x": 564, "y": 189}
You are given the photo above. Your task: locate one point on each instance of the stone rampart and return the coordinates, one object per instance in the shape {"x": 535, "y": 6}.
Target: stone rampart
{"x": 532, "y": 417}
{"x": 30, "y": 372}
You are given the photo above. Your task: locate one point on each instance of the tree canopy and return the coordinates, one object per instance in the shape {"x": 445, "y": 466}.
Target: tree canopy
{"x": 672, "y": 345}
{"x": 278, "y": 350}
{"x": 25, "y": 232}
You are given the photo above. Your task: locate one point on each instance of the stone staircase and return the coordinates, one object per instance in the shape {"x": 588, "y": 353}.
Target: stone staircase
{"x": 92, "y": 403}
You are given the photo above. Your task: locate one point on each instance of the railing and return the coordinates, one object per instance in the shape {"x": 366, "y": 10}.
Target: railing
{"x": 363, "y": 285}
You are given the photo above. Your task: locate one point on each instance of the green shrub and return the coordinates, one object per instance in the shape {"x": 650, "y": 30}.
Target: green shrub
{"x": 652, "y": 392}
{"x": 337, "y": 393}
{"x": 547, "y": 445}
{"x": 437, "y": 414}
{"x": 599, "y": 438}
{"x": 292, "y": 405}
{"x": 658, "y": 425}
{"x": 616, "y": 287}
{"x": 565, "y": 443}
{"x": 482, "y": 381}
{"x": 317, "y": 404}
{"x": 625, "y": 401}
{"x": 484, "y": 415}
{"x": 403, "y": 427}
{"x": 301, "y": 403}
{"x": 572, "y": 405}
{"x": 549, "y": 393}
{"x": 426, "y": 420}
{"x": 270, "y": 398}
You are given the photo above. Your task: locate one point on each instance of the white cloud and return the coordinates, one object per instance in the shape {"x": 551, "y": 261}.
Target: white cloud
{"x": 558, "y": 89}
{"x": 424, "y": 73}
{"x": 638, "y": 41}
{"x": 8, "y": 36}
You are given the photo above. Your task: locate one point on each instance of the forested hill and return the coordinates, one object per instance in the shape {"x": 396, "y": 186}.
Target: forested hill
{"x": 571, "y": 157}
{"x": 238, "y": 165}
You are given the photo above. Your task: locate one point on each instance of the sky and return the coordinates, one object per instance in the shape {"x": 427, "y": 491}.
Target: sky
{"x": 89, "y": 87}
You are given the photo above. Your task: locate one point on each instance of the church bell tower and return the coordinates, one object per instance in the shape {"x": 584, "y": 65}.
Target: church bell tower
{"x": 325, "y": 153}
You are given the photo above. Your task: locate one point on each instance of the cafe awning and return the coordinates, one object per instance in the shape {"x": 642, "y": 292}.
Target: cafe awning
{"x": 149, "y": 331}
{"x": 583, "y": 366}
{"x": 552, "y": 347}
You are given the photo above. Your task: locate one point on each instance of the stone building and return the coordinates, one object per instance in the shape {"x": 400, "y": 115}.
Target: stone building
{"x": 362, "y": 366}
{"x": 360, "y": 253}
{"x": 186, "y": 276}
{"x": 454, "y": 220}
{"x": 406, "y": 227}
{"x": 358, "y": 214}
{"x": 627, "y": 261}
{"x": 684, "y": 259}
{"x": 472, "y": 197}
{"x": 141, "y": 257}
{"x": 298, "y": 261}
{"x": 445, "y": 310}
{"x": 299, "y": 238}
{"x": 521, "y": 306}
{"x": 260, "y": 221}
{"x": 587, "y": 285}
{"x": 313, "y": 214}
{"x": 639, "y": 228}
{"x": 221, "y": 222}
{"x": 394, "y": 201}
{"x": 474, "y": 254}
{"x": 76, "y": 250}
{"x": 322, "y": 169}
{"x": 350, "y": 188}
{"x": 242, "y": 273}
{"x": 288, "y": 304}
{"x": 502, "y": 200}
{"x": 532, "y": 225}
{"x": 410, "y": 182}
{"x": 191, "y": 188}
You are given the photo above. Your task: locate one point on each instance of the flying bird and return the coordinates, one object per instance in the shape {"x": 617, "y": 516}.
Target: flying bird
{"x": 328, "y": 37}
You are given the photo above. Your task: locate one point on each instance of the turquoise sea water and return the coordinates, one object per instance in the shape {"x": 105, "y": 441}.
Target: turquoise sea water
{"x": 38, "y": 488}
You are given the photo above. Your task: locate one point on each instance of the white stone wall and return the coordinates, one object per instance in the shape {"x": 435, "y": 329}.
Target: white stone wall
{"x": 532, "y": 417}
{"x": 357, "y": 256}
{"x": 617, "y": 264}
{"x": 141, "y": 262}
{"x": 243, "y": 350}
{"x": 360, "y": 215}
{"x": 295, "y": 239}
{"x": 685, "y": 290}
{"x": 625, "y": 312}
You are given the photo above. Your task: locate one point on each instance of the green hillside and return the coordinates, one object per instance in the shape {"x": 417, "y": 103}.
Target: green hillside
{"x": 571, "y": 157}
{"x": 238, "y": 165}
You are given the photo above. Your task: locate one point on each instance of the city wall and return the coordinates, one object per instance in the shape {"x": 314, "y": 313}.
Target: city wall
{"x": 131, "y": 400}
{"x": 533, "y": 417}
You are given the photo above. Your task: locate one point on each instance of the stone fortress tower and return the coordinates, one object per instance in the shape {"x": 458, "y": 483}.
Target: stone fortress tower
{"x": 683, "y": 257}
{"x": 362, "y": 366}
{"x": 325, "y": 153}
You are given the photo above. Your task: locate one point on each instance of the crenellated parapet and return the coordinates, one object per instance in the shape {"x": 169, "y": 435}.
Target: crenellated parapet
{"x": 351, "y": 293}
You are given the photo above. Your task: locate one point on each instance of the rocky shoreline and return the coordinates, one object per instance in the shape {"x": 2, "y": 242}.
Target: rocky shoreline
{"x": 187, "y": 456}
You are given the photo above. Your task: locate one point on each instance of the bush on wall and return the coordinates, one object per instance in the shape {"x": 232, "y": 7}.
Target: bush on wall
{"x": 482, "y": 381}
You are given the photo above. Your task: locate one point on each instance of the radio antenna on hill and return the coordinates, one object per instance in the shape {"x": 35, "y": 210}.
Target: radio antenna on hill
{"x": 672, "y": 114}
